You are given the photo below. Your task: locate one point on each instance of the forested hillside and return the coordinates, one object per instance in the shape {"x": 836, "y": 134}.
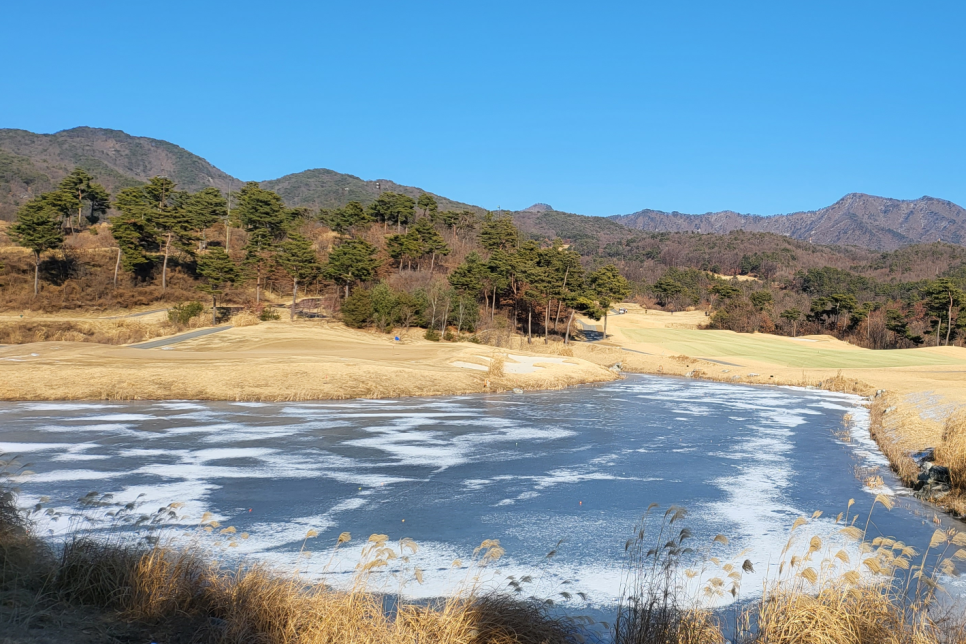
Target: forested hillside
{"x": 766, "y": 282}
{"x": 31, "y": 164}
{"x": 398, "y": 262}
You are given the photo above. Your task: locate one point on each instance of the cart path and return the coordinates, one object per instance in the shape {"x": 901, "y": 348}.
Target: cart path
{"x": 154, "y": 344}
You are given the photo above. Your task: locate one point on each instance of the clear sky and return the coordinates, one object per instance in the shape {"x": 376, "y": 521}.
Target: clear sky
{"x": 593, "y": 107}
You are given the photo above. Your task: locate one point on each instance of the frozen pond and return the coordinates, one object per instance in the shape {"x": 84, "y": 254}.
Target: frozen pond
{"x": 580, "y": 465}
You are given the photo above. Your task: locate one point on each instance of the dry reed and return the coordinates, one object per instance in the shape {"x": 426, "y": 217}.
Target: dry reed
{"x": 900, "y": 460}
{"x": 185, "y": 595}
{"x": 876, "y": 591}
{"x": 951, "y": 452}
{"x": 497, "y": 365}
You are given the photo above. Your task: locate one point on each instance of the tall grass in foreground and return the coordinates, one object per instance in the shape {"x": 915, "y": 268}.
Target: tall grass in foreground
{"x": 184, "y": 595}
{"x": 878, "y": 591}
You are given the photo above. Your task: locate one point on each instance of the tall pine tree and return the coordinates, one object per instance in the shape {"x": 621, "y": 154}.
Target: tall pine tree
{"x": 38, "y": 228}
{"x": 297, "y": 257}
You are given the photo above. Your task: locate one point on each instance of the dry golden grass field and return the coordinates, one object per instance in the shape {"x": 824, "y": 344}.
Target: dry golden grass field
{"x": 304, "y": 360}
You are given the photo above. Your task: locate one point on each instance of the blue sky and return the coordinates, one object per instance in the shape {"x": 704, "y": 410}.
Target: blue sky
{"x": 597, "y": 108}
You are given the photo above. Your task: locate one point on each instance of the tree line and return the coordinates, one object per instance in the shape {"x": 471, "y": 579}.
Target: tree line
{"x": 400, "y": 261}
{"x": 823, "y": 300}
{"x": 370, "y": 253}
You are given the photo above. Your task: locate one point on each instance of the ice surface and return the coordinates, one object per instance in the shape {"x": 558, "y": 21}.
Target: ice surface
{"x": 580, "y": 465}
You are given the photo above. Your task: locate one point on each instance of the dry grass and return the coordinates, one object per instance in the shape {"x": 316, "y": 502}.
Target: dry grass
{"x": 876, "y": 591}
{"x": 112, "y": 332}
{"x": 836, "y": 615}
{"x": 497, "y": 365}
{"x": 897, "y": 453}
{"x": 245, "y": 318}
{"x": 306, "y": 360}
{"x": 951, "y": 452}
{"x": 844, "y": 385}
{"x": 551, "y": 348}
{"x": 186, "y": 597}
{"x": 899, "y": 431}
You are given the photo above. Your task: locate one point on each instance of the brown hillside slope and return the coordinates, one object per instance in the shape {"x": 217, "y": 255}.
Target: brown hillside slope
{"x": 33, "y": 163}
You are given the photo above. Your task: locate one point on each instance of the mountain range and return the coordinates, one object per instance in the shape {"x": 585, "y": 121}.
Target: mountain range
{"x": 33, "y": 163}
{"x": 856, "y": 219}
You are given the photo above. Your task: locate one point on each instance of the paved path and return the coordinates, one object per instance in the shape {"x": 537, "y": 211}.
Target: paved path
{"x": 591, "y": 334}
{"x": 154, "y": 344}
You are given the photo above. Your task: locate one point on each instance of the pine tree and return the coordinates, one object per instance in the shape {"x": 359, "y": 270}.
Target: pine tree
{"x": 430, "y": 239}
{"x": 217, "y": 270}
{"x": 351, "y": 262}
{"x": 76, "y": 190}
{"x": 792, "y": 315}
{"x": 297, "y": 257}
{"x": 942, "y": 296}
{"x": 428, "y": 205}
{"x": 609, "y": 286}
{"x": 582, "y": 301}
{"x": 38, "y": 228}
{"x": 155, "y": 210}
{"x": 261, "y": 209}
{"x": 204, "y": 209}
{"x": 133, "y": 229}
{"x": 259, "y": 257}
{"x": 467, "y": 278}
{"x": 499, "y": 234}
{"x": 393, "y": 208}
{"x": 343, "y": 219}
{"x": 405, "y": 248}
{"x": 565, "y": 274}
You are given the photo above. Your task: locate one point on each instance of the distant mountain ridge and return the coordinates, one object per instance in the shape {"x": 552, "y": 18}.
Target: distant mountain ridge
{"x": 856, "y": 219}
{"x": 34, "y": 163}
{"x": 322, "y": 188}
